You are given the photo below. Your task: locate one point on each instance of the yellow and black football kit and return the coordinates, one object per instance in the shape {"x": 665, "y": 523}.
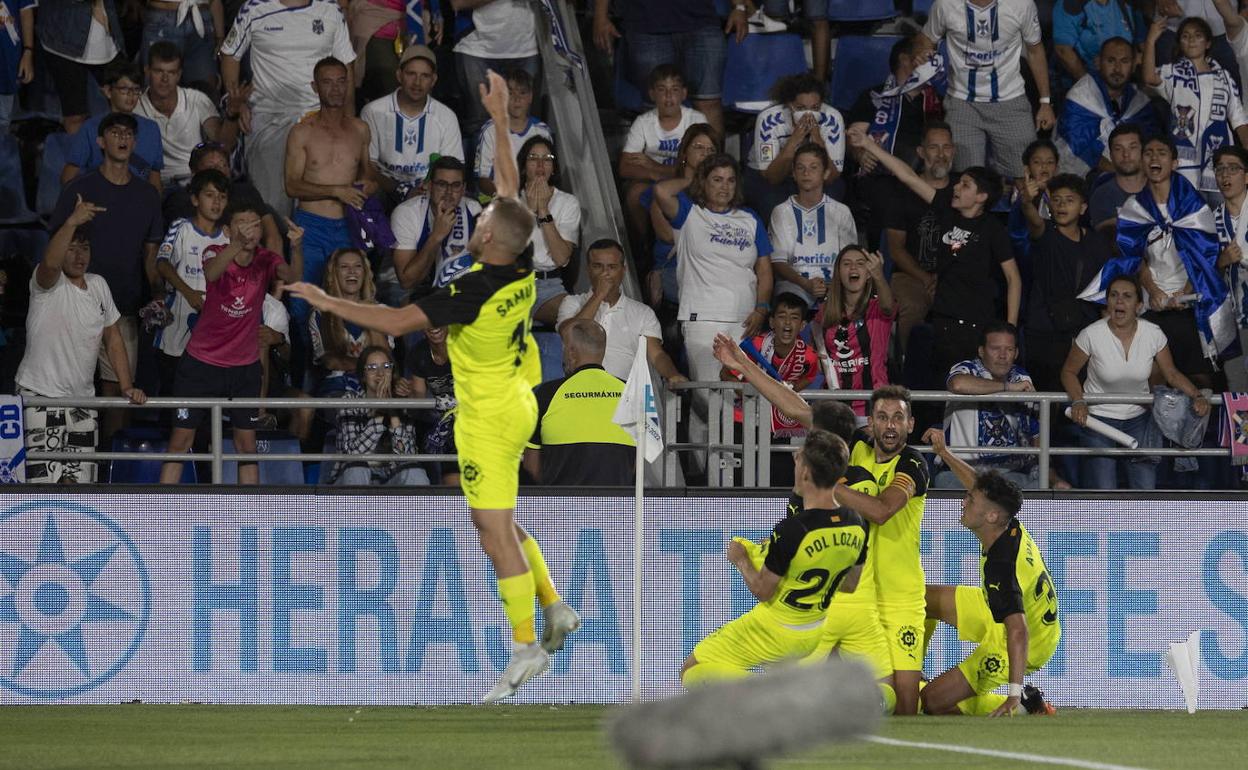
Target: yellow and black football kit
{"x": 1014, "y": 580}
{"x": 496, "y": 366}
{"x": 811, "y": 552}
{"x": 899, "y": 580}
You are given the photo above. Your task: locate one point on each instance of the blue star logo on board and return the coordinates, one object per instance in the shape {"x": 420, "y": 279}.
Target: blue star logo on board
{"x": 75, "y": 599}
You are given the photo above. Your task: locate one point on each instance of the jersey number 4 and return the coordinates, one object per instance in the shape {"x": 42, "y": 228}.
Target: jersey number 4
{"x": 820, "y": 578}
{"x": 519, "y": 341}
{"x": 1044, "y": 588}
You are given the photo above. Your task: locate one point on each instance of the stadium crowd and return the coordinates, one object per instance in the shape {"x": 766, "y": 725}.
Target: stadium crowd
{"x": 1040, "y": 196}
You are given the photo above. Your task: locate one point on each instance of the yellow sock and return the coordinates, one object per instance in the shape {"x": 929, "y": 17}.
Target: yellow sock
{"x": 517, "y": 594}
{"x": 711, "y": 672}
{"x": 981, "y": 705}
{"x": 546, "y": 593}
{"x": 889, "y": 696}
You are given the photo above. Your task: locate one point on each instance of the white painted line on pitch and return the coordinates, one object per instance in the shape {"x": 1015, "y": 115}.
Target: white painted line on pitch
{"x": 1039, "y": 759}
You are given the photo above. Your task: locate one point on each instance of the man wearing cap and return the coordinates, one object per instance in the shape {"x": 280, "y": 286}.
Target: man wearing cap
{"x": 409, "y": 126}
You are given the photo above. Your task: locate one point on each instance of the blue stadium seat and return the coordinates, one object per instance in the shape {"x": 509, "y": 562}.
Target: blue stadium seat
{"x": 55, "y": 151}
{"x": 756, "y": 63}
{"x": 143, "y": 439}
{"x": 13, "y": 208}
{"x": 861, "y": 62}
{"x": 922, "y": 7}
{"x": 861, "y": 10}
{"x": 287, "y": 473}
{"x": 628, "y": 97}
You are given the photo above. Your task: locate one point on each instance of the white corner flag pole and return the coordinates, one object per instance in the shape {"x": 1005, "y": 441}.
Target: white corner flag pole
{"x": 639, "y": 479}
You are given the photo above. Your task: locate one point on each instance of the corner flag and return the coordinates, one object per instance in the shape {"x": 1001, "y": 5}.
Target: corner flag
{"x": 637, "y": 412}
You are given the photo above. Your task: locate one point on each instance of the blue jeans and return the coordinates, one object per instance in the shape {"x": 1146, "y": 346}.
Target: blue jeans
{"x": 471, "y": 72}
{"x": 700, "y": 54}
{"x": 199, "y": 58}
{"x": 1102, "y": 472}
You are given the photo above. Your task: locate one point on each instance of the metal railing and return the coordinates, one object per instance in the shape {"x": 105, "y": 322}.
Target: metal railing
{"x": 753, "y": 453}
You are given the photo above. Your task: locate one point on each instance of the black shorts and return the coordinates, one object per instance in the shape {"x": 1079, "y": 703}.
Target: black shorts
{"x": 71, "y": 81}
{"x": 196, "y": 379}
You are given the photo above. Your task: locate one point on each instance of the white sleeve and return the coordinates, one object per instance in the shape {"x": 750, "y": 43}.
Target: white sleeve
{"x": 935, "y": 28}
{"x": 369, "y": 114}
{"x": 650, "y": 324}
{"x": 636, "y": 141}
{"x": 452, "y": 143}
{"x": 406, "y": 222}
{"x": 568, "y": 218}
{"x": 484, "y": 161}
{"x": 570, "y": 306}
{"x": 110, "y": 308}
{"x": 1030, "y": 26}
{"x": 849, "y": 228}
{"x": 344, "y": 51}
{"x": 239, "y": 40}
{"x": 1235, "y": 109}
{"x": 782, "y": 239}
{"x": 834, "y": 137}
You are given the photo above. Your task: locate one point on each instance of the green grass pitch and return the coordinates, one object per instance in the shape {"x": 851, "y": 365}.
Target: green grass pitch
{"x": 556, "y": 737}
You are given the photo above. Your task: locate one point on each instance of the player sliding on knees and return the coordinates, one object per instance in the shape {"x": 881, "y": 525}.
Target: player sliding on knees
{"x": 794, "y": 574}
{"x": 495, "y": 363}
{"x": 1013, "y": 617}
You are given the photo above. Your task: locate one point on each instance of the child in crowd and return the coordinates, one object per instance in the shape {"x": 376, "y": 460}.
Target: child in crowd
{"x": 522, "y": 125}
{"x": 122, "y": 83}
{"x": 180, "y": 261}
{"x": 222, "y": 358}
{"x": 857, "y": 322}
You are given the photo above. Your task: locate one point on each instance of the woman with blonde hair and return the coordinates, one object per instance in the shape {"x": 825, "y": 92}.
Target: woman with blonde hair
{"x": 336, "y": 345}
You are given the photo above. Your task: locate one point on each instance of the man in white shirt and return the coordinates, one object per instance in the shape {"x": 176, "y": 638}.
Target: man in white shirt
{"x": 186, "y": 117}
{"x": 1230, "y": 164}
{"x": 431, "y": 232}
{"x": 987, "y": 101}
{"x": 625, "y": 319}
{"x": 520, "y": 124}
{"x": 501, "y": 35}
{"x": 71, "y": 311}
{"x": 286, "y": 38}
{"x": 409, "y": 126}
{"x": 1236, "y": 37}
{"x": 798, "y": 117}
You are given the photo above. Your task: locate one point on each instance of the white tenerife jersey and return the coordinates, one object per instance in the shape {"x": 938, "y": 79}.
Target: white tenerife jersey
{"x": 285, "y": 44}
{"x": 659, "y": 144}
{"x": 484, "y": 163}
{"x": 183, "y": 248}
{"x": 810, "y": 240}
{"x": 774, "y": 126}
{"x": 715, "y": 256}
{"x": 401, "y": 145}
{"x": 411, "y": 224}
{"x": 985, "y": 46}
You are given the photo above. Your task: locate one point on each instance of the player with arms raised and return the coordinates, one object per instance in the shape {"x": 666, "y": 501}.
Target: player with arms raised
{"x": 496, "y": 366}
{"x": 1013, "y": 617}
{"x": 794, "y": 574}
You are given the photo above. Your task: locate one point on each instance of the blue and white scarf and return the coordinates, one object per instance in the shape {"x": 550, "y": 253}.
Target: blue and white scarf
{"x": 1191, "y": 225}
{"x": 1087, "y": 121}
{"x": 1236, "y": 275}
{"x": 1199, "y": 111}
{"x": 888, "y": 100}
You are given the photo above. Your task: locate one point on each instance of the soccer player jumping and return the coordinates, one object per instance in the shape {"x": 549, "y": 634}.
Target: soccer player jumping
{"x": 495, "y": 363}
{"x": 1013, "y": 617}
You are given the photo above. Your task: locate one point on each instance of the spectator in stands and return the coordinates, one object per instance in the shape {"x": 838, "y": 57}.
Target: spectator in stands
{"x": 558, "y": 226}
{"x": 283, "y": 58}
{"x": 987, "y": 103}
{"x": 798, "y": 117}
{"x": 80, "y": 39}
{"x": 1174, "y": 13}
{"x": 1126, "y": 154}
{"x": 689, "y": 34}
{"x": 809, "y": 230}
{"x": 1236, "y": 39}
{"x": 1100, "y": 102}
{"x": 1082, "y": 27}
{"x": 893, "y": 114}
{"x": 521, "y": 124}
{"x": 1039, "y": 165}
{"x": 367, "y": 430}
{"x": 180, "y": 262}
{"x": 124, "y": 235}
{"x": 275, "y": 367}
{"x": 987, "y": 423}
{"x": 71, "y": 312}
{"x": 122, "y": 82}
{"x": 222, "y": 358}
{"x": 327, "y": 168}
{"x": 430, "y": 376}
{"x": 336, "y": 345}
{"x": 699, "y": 143}
{"x": 491, "y": 34}
{"x": 17, "y": 53}
{"x": 649, "y": 153}
{"x": 1120, "y": 351}
{"x": 380, "y": 32}
{"x": 195, "y": 31}
{"x": 724, "y": 266}
{"x": 857, "y": 322}
{"x": 431, "y": 232}
{"x": 185, "y": 116}
{"x": 1203, "y": 109}
{"x": 576, "y": 442}
{"x": 1065, "y": 257}
{"x": 408, "y": 127}
{"x": 211, "y": 155}
{"x": 1231, "y": 224}
{"x": 912, "y": 231}
{"x": 973, "y": 243}
{"x": 625, "y": 320}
